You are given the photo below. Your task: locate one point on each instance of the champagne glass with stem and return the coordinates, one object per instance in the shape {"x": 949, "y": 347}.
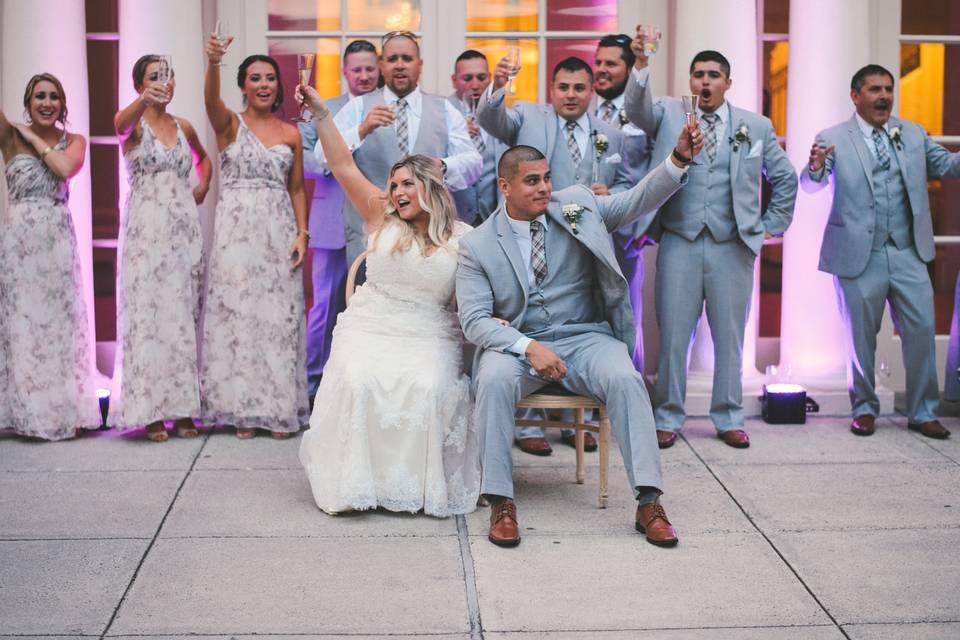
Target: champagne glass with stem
{"x": 513, "y": 58}
{"x": 222, "y": 32}
{"x": 651, "y": 41}
{"x": 304, "y": 70}
{"x": 690, "y": 104}
{"x": 165, "y": 72}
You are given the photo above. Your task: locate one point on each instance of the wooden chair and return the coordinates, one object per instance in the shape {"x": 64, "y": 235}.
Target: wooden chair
{"x": 556, "y": 397}
{"x": 352, "y": 276}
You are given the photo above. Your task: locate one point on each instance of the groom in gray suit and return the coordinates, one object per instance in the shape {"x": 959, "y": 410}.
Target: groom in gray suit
{"x": 878, "y": 239}
{"x": 543, "y": 262}
{"x": 711, "y": 233}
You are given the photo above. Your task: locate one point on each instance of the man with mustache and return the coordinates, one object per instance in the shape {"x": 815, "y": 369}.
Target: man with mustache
{"x": 710, "y": 234}
{"x": 327, "y": 244}
{"x": 611, "y": 70}
{"x": 566, "y": 133}
{"x": 878, "y": 239}
{"x": 399, "y": 120}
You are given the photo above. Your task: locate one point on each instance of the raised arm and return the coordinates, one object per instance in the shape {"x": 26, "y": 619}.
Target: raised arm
{"x": 365, "y": 197}
{"x": 638, "y": 103}
{"x": 463, "y": 161}
{"x": 201, "y": 161}
{"x": 940, "y": 162}
{"x": 66, "y": 163}
{"x": 816, "y": 174}
{"x": 126, "y": 120}
{"x": 493, "y": 114}
{"x": 224, "y": 121}
{"x": 6, "y": 132}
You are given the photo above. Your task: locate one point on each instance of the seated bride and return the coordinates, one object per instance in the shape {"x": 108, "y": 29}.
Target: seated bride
{"x": 392, "y": 422}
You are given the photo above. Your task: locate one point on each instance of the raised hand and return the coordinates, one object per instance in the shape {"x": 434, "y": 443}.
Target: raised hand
{"x": 379, "y": 116}
{"x": 501, "y": 73}
{"x": 636, "y": 46}
{"x": 216, "y": 51}
{"x": 818, "y": 156}
{"x": 690, "y": 141}
{"x": 154, "y": 95}
{"x": 308, "y": 95}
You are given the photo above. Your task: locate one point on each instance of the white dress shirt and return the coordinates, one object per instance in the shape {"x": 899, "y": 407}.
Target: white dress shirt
{"x": 581, "y": 133}
{"x": 464, "y": 164}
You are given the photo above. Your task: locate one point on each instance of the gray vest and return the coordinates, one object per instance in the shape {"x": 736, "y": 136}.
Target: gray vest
{"x": 562, "y": 168}
{"x": 565, "y": 303}
{"x": 706, "y": 200}
{"x": 894, "y": 219}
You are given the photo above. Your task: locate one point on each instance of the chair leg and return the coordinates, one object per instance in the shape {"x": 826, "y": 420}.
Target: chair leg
{"x": 579, "y": 441}
{"x": 604, "y": 455}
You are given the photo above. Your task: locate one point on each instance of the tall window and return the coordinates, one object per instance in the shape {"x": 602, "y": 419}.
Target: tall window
{"x": 547, "y": 31}
{"x": 929, "y": 95}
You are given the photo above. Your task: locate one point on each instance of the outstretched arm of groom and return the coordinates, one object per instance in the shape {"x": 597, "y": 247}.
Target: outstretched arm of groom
{"x": 475, "y": 305}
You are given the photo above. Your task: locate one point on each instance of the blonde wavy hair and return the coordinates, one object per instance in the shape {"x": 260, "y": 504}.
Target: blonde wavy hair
{"x": 433, "y": 198}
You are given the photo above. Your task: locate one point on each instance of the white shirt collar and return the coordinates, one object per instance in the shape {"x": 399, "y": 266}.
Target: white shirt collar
{"x": 617, "y": 102}
{"x": 414, "y": 98}
{"x": 522, "y": 227}
{"x": 723, "y": 111}
{"x": 583, "y": 122}
{"x": 867, "y": 129}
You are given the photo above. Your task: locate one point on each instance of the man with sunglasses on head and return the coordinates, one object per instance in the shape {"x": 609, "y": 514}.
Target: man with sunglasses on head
{"x": 327, "y": 244}
{"x": 399, "y": 120}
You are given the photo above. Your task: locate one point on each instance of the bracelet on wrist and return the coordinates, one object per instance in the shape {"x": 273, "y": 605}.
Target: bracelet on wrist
{"x": 43, "y": 154}
{"x": 304, "y": 232}
{"x": 681, "y": 158}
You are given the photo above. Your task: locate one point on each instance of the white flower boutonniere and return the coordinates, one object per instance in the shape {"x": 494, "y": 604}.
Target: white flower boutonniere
{"x": 740, "y": 136}
{"x": 622, "y": 117}
{"x": 572, "y": 213}
{"x": 600, "y": 146}
{"x": 896, "y": 134}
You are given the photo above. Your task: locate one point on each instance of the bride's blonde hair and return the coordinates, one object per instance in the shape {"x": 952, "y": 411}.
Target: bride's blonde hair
{"x": 433, "y": 198}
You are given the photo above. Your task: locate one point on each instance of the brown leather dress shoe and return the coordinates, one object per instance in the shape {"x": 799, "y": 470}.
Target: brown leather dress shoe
{"x": 736, "y": 438}
{"x": 666, "y": 439}
{"x": 652, "y": 520}
{"x": 931, "y": 429}
{"x": 504, "y": 528}
{"x": 535, "y": 446}
{"x": 863, "y": 425}
{"x": 589, "y": 442}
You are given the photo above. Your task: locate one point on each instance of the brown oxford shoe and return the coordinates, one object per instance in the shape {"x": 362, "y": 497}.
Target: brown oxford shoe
{"x": 863, "y": 425}
{"x": 736, "y": 438}
{"x": 535, "y": 446}
{"x": 666, "y": 439}
{"x": 652, "y": 521}
{"x": 504, "y": 528}
{"x": 589, "y": 442}
{"x": 931, "y": 429}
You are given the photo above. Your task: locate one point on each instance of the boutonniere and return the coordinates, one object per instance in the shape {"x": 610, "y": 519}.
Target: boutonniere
{"x": 896, "y": 134}
{"x": 740, "y": 136}
{"x": 572, "y": 213}
{"x": 600, "y": 146}
{"x": 622, "y": 118}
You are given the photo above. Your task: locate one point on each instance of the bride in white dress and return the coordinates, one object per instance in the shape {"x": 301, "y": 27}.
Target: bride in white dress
{"x": 392, "y": 422}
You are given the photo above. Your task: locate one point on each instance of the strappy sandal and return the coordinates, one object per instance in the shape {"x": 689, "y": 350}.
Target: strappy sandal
{"x": 157, "y": 432}
{"x": 185, "y": 428}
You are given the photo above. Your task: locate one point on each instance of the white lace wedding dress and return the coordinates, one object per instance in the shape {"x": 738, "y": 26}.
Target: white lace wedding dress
{"x": 392, "y": 424}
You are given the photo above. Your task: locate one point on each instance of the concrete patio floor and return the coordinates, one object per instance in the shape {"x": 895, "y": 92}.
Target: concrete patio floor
{"x": 812, "y": 533}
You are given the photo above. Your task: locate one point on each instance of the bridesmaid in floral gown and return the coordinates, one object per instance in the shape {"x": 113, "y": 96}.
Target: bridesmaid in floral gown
{"x": 253, "y": 372}
{"x": 46, "y": 359}
{"x": 159, "y": 276}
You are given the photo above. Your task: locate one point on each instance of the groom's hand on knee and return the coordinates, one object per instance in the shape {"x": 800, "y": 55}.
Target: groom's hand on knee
{"x": 545, "y": 361}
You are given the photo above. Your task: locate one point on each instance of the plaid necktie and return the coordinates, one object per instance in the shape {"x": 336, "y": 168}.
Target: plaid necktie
{"x": 883, "y": 153}
{"x": 572, "y": 142}
{"x": 710, "y": 135}
{"x": 476, "y": 137}
{"x": 538, "y": 252}
{"x": 606, "y": 111}
{"x": 403, "y": 134}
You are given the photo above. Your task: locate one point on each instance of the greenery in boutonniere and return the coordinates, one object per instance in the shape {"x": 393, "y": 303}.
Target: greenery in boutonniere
{"x": 896, "y": 134}
{"x": 740, "y": 136}
{"x": 600, "y": 146}
{"x": 572, "y": 213}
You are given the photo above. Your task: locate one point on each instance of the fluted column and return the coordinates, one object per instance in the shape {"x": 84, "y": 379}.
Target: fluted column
{"x": 811, "y": 335}
{"x": 50, "y": 36}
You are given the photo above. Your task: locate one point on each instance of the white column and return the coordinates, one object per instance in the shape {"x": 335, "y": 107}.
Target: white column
{"x": 829, "y": 41}
{"x": 50, "y": 36}
{"x": 730, "y": 27}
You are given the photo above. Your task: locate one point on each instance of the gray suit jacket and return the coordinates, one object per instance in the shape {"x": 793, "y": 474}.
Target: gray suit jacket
{"x": 492, "y": 278}
{"x": 325, "y": 219}
{"x": 535, "y": 125}
{"x": 848, "y": 235}
{"x": 663, "y": 118}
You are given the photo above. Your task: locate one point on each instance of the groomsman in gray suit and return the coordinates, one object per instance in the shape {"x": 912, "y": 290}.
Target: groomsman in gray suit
{"x": 471, "y": 77}
{"x": 611, "y": 70}
{"x": 710, "y": 235}
{"x": 385, "y": 125}
{"x": 544, "y": 263}
{"x": 878, "y": 238}
{"x": 567, "y": 134}
{"x": 328, "y": 256}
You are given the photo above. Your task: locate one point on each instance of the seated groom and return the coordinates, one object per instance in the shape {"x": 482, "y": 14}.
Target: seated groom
{"x": 543, "y": 261}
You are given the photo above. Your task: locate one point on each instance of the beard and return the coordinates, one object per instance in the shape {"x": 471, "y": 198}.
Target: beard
{"x": 613, "y": 91}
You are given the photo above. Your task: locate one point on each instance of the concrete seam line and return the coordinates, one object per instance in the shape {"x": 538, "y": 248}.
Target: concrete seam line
{"x": 153, "y": 540}
{"x": 469, "y": 579}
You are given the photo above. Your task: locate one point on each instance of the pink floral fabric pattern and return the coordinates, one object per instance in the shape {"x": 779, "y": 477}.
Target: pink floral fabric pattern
{"x": 46, "y": 360}
{"x": 156, "y": 375}
{"x": 253, "y": 371}
{"x": 392, "y": 423}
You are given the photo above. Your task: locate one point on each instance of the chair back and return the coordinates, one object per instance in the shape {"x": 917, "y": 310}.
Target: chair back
{"x": 352, "y": 276}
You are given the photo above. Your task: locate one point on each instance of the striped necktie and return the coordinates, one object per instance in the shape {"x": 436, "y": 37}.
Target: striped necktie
{"x": 478, "y": 136}
{"x": 572, "y": 142}
{"x": 538, "y": 252}
{"x": 710, "y": 135}
{"x": 606, "y": 111}
{"x": 403, "y": 132}
{"x": 883, "y": 153}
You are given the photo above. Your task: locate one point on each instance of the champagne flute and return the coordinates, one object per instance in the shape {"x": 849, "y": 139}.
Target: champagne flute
{"x": 885, "y": 371}
{"x": 513, "y": 58}
{"x": 651, "y": 40}
{"x": 222, "y": 32}
{"x": 690, "y": 104}
{"x": 304, "y": 69}
{"x": 165, "y": 72}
